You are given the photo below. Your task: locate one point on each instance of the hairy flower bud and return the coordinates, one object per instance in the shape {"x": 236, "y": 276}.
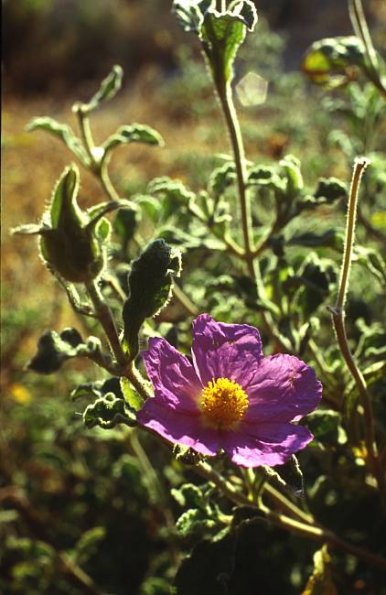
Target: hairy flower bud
{"x": 69, "y": 244}
{"x": 150, "y": 283}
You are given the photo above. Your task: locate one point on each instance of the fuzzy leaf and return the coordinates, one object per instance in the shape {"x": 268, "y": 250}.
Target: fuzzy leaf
{"x": 329, "y": 190}
{"x": 88, "y": 544}
{"x": 190, "y": 13}
{"x": 326, "y": 426}
{"x": 222, "y": 35}
{"x": 132, "y": 398}
{"x": 133, "y": 133}
{"x": 54, "y": 349}
{"x": 108, "y": 411}
{"x": 330, "y": 61}
{"x": 108, "y": 89}
{"x": 63, "y": 132}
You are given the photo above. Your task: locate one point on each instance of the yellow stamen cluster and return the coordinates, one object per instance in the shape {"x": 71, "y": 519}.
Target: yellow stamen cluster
{"x": 223, "y": 403}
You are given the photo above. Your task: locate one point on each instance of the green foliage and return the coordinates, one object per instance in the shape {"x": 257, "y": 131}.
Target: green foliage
{"x": 107, "y": 412}
{"x": 54, "y": 349}
{"x": 112, "y": 488}
{"x": 63, "y": 132}
{"x": 150, "y": 284}
{"x": 328, "y": 61}
{"x": 108, "y": 89}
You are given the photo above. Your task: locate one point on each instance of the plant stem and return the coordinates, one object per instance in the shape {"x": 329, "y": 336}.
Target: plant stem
{"x": 361, "y": 30}
{"x": 338, "y": 314}
{"x": 359, "y": 167}
{"x": 103, "y": 176}
{"x": 311, "y": 531}
{"x": 226, "y": 99}
{"x": 184, "y": 300}
{"x": 224, "y": 92}
{"x": 106, "y": 319}
{"x": 85, "y": 131}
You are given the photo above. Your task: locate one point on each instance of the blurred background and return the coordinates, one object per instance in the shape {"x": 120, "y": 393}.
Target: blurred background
{"x": 65, "y": 489}
{"x": 56, "y": 45}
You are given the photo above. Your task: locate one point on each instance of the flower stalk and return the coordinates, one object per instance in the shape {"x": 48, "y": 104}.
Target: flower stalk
{"x": 338, "y": 317}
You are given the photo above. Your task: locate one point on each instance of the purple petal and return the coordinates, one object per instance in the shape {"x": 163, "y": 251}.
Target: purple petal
{"x": 271, "y": 444}
{"x": 223, "y": 350}
{"x": 178, "y": 427}
{"x": 283, "y": 389}
{"x": 173, "y": 376}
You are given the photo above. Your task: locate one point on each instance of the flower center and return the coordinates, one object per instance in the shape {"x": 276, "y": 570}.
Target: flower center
{"x": 223, "y": 402}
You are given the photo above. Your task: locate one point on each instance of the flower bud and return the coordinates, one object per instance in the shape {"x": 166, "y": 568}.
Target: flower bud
{"x": 150, "y": 284}
{"x": 70, "y": 241}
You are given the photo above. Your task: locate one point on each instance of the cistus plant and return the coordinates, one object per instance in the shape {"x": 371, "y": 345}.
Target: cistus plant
{"x": 238, "y": 255}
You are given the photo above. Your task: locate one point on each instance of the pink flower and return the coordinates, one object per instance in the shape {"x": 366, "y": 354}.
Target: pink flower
{"x": 231, "y": 397}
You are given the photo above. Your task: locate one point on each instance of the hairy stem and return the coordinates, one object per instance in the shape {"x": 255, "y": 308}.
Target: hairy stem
{"x": 85, "y": 131}
{"x": 104, "y": 177}
{"x": 233, "y": 126}
{"x": 105, "y": 317}
{"x": 361, "y": 30}
{"x": 338, "y": 316}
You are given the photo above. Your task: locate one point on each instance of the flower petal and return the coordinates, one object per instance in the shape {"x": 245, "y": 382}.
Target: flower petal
{"x": 223, "y": 350}
{"x": 178, "y": 427}
{"x": 173, "y": 376}
{"x": 271, "y": 444}
{"x": 283, "y": 389}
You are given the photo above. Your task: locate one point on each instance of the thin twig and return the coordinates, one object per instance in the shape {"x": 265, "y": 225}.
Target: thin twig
{"x": 338, "y": 315}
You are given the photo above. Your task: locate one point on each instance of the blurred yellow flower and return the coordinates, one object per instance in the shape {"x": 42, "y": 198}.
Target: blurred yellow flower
{"x": 20, "y": 394}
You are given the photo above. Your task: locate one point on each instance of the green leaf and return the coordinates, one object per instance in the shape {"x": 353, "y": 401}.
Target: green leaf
{"x": 54, "y": 349}
{"x": 330, "y": 61}
{"x": 170, "y": 188}
{"x": 329, "y": 190}
{"x": 222, "y": 35}
{"x": 189, "y": 495}
{"x": 64, "y": 207}
{"x": 125, "y": 225}
{"x": 88, "y": 544}
{"x": 265, "y": 175}
{"x": 190, "y": 13}
{"x": 194, "y": 522}
{"x": 108, "y": 411}
{"x": 149, "y": 206}
{"x": 64, "y": 133}
{"x": 372, "y": 261}
{"x": 291, "y": 167}
{"x": 330, "y": 238}
{"x": 108, "y": 89}
{"x": 326, "y": 425}
{"x": 133, "y": 133}
{"x": 245, "y": 11}
{"x": 221, "y": 178}
{"x": 132, "y": 398}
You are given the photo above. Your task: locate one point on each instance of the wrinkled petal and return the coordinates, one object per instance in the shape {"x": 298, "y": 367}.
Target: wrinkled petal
{"x": 222, "y": 350}
{"x": 271, "y": 444}
{"x": 172, "y": 375}
{"x": 284, "y": 388}
{"x": 178, "y": 427}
